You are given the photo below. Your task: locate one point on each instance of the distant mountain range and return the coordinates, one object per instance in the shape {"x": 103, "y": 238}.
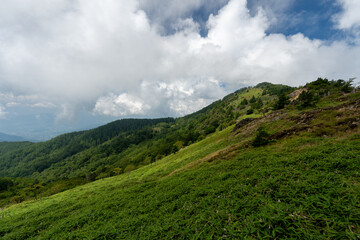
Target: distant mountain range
{"x": 11, "y": 138}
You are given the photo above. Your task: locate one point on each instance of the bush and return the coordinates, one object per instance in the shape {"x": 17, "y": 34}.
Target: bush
{"x": 261, "y": 139}
{"x": 5, "y": 184}
{"x": 210, "y": 129}
{"x": 174, "y": 149}
{"x": 252, "y": 100}
{"x": 281, "y": 102}
{"x": 307, "y": 99}
{"x": 244, "y": 102}
{"x": 17, "y": 199}
{"x": 258, "y": 104}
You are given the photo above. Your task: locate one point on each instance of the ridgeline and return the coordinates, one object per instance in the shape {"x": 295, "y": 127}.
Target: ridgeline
{"x": 268, "y": 162}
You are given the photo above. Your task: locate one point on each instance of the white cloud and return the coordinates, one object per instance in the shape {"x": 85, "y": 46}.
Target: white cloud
{"x": 66, "y": 113}
{"x": 108, "y": 57}
{"x": 121, "y": 105}
{"x": 34, "y": 101}
{"x": 161, "y": 99}
{"x": 165, "y": 14}
{"x": 350, "y": 17}
{"x": 275, "y": 11}
{"x": 183, "y": 96}
{"x": 12, "y": 104}
{"x": 2, "y": 112}
{"x": 43, "y": 105}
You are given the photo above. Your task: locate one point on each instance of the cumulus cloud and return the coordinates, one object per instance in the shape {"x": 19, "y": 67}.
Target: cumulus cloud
{"x": 121, "y": 105}
{"x": 275, "y": 11}
{"x": 165, "y": 14}
{"x": 161, "y": 99}
{"x": 111, "y": 58}
{"x": 182, "y": 96}
{"x": 350, "y": 17}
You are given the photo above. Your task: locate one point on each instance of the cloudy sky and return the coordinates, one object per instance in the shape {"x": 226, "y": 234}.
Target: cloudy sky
{"x": 75, "y": 64}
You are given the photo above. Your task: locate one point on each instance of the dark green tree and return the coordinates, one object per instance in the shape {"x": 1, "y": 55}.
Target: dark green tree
{"x": 347, "y": 87}
{"x": 281, "y": 102}
{"x": 249, "y": 111}
{"x": 258, "y": 104}
{"x": 244, "y": 102}
{"x": 174, "y": 149}
{"x": 306, "y": 99}
{"x": 5, "y": 184}
{"x": 252, "y": 99}
{"x": 262, "y": 138}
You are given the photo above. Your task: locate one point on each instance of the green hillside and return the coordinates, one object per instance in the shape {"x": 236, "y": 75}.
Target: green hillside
{"x": 27, "y": 159}
{"x": 42, "y": 169}
{"x": 266, "y": 167}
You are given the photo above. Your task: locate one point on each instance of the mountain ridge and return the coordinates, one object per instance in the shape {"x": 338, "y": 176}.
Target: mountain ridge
{"x": 254, "y": 166}
{"x": 11, "y": 138}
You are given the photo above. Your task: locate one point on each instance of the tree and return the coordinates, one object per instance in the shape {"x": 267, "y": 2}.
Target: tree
{"x": 5, "y": 184}
{"x": 244, "y": 102}
{"x": 249, "y": 111}
{"x": 210, "y": 129}
{"x": 347, "y": 86}
{"x": 253, "y": 99}
{"x": 281, "y": 102}
{"x": 261, "y": 138}
{"x": 174, "y": 149}
{"x": 306, "y": 99}
{"x": 35, "y": 190}
{"x": 258, "y": 104}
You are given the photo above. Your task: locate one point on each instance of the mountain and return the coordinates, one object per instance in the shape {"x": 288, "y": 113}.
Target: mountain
{"x": 10, "y": 138}
{"x": 253, "y": 165}
{"x": 34, "y": 159}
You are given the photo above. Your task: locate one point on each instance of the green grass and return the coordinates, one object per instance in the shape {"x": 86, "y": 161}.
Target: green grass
{"x": 303, "y": 185}
{"x": 299, "y": 188}
{"x": 253, "y": 115}
{"x": 256, "y": 92}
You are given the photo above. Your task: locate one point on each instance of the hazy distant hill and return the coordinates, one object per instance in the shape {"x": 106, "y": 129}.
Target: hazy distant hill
{"x": 10, "y": 138}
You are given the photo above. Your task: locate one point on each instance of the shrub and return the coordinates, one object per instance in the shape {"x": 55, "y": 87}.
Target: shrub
{"x": 261, "y": 139}
{"x": 244, "y": 102}
{"x": 252, "y": 100}
{"x": 258, "y": 104}
{"x": 5, "y": 184}
{"x": 250, "y": 111}
{"x": 210, "y": 129}
{"x": 281, "y": 102}
{"x": 307, "y": 99}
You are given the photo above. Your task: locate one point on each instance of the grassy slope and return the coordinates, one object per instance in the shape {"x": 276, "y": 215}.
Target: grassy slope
{"x": 75, "y": 154}
{"x": 304, "y": 185}
{"x": 77, "y": 158}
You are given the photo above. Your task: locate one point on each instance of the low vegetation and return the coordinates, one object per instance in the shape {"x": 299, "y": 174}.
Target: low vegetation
{"x": 290, "y": 169}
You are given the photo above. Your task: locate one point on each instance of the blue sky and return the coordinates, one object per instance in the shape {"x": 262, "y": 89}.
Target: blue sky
{"x": 68, "y": 65}
{"x": 312, "y": 18}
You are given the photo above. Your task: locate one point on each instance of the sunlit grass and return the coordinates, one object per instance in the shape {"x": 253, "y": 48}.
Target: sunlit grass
{"x": 304, "y": 185}
{"x": 301, "y": 188}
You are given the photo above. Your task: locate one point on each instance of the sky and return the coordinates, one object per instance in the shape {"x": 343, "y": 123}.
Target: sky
{"x": 69, "y": 65}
